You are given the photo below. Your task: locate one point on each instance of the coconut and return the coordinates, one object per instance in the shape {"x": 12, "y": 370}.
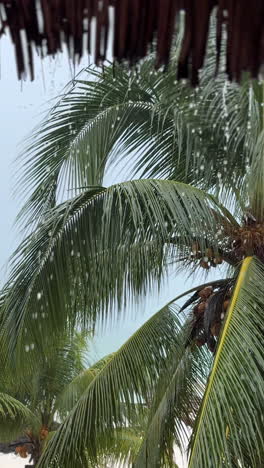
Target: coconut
{"x": 201, "y": 307}
{"x": 205, "y": 292}
{"x": 215, "y": 328}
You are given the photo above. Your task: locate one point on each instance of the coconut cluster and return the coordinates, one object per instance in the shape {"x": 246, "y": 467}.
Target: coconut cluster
{"x": 249, "y": 240}
{"x": 208, "y": 315}
{"x": 22, "y": 451}
{"x": 210, "y": 259}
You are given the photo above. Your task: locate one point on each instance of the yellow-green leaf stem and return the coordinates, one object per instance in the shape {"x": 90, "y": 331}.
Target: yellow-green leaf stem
{"x": 241, "y": 277}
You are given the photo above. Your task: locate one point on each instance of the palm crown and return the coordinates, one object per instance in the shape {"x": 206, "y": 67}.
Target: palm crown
{"x": 197, "y": 202}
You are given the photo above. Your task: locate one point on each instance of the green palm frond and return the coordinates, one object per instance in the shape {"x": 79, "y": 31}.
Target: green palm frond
{"x": 177, "y": 399}
{"x": 150, "y": 124}
{"x": 125, "y": 382}
{"x": 229, "y": 429}
{"x": 15, "y": 417}
{"x": 175, "y": 406}
{"x": 103, "y": 247}
{"x": 74, "y": 390}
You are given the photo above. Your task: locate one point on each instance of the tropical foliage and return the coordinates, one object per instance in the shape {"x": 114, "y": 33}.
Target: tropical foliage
{"x": 36, "y": 403}
{"x": 197, "y": 202}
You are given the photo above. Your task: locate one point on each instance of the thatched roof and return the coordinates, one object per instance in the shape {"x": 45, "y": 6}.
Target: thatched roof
{"x": 47, "y": 23}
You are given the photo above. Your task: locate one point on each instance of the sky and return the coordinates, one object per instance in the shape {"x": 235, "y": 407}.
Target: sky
{"x": 23, "y": 105}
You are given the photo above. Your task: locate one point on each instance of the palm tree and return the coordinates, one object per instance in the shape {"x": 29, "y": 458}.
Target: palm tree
{"x": 197, "y": 203}
{"x": 36, "y": 402}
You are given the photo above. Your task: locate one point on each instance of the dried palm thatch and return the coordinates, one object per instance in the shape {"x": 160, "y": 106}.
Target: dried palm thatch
{"x": 137, "y": 23}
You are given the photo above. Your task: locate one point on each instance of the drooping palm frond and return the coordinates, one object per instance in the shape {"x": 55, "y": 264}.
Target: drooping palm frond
{"x": 229, "y": 429}
{"x": 175, "y": 406}
{"x": 74, "y": 390}
{"x": 103, "y": 247}
{"x": 15, "y": 417}
{"x": 126, "y": 380}
{"x": 147, "y": 122}
{"x": 30, "y": 408}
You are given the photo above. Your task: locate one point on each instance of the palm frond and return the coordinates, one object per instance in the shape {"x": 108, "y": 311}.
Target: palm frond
{"x": 74, "y": 390}
{"x": 126, "y": 380}
{"x": 149, "y": 123}
{"x": 15, "y": 417}
{"x": 100, "y": 249}
{"x": 229, "y": 428}
{"x": 175, "y": 406}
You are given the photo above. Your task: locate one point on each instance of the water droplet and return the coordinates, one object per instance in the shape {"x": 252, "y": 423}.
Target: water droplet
{"x": 27, "y": 348}
{"x": 39, "y": 295}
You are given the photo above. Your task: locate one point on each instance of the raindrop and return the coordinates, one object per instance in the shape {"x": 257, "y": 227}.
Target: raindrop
{"x": 32, "y": 346}
{"x": 39, "y": 295}
{"x": 72, "y": 253}
{"x": 202, "y": 167}
{"x": 27, "y": 348}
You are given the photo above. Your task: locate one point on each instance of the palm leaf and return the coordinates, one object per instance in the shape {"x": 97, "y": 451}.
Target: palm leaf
{"x": 177, "y": 399}
{"x": 126, "y": 380}
{"x": 15, "y": 417}
{"x": 74, "y": 390}
{"x": 229, "y": 428}
{"x": 147, "y": 122}
{"x": 102, "y": 248}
